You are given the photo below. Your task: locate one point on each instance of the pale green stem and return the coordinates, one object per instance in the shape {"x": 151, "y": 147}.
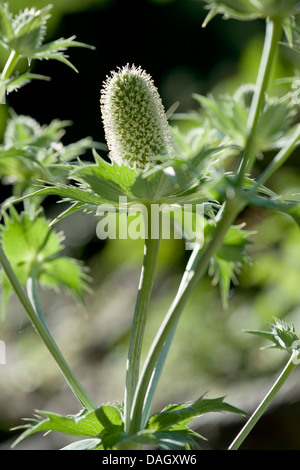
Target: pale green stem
{"x": 151, "y": 249}
{"x": 291, "y": 365}
{"x": 32, "y": 295}
{"x": 275, "y": 164}
{"x": 43, "y": 332}
{"x": 10, "y": 65}
{"x": 279, "y": 159}
{"x": 196, "y": 268}
{"x": 273, "y": 31}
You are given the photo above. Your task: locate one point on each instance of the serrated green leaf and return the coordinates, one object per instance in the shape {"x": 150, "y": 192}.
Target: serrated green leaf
{"x": 103, "y": 423}
{"x": 55, "y": 51}
{"x": 58, "y": 46}
{"x": 107, "y": 181}
{"x": 17, "y": 82}
{"x": 85, "y": 425}
{"x": 182, "y": 414}
{"x": 70, "y": 194}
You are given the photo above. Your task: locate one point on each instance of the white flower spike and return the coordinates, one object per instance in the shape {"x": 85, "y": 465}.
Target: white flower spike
{"x": 134, "y": 119}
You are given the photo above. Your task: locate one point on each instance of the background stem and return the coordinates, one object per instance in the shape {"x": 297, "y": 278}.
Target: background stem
{"x": 151, "y": 249}
{"x": 44, "y": 333}
{"x": 291, "y": 365}
{"x": 10, "y": 65}
{"x": 272, "y": 36}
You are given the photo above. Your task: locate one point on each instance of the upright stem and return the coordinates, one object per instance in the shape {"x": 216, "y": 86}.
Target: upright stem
{"x": 44, "y": 333}
{"x": 196, "y": 268}
{"x": 291, "y": 365}
{"x": 273, "y": 31}
{"x": 151, "y": 249}
{"x": 10, "y": 65}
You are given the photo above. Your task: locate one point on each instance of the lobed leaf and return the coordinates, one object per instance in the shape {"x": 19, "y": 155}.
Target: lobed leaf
{"x": 17, "y": 82}
{"x": 182, "y": 414}
{"x": 104, "y": 422}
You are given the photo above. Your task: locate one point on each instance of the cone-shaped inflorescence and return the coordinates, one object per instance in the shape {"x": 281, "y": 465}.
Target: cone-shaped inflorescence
{"x": 135, "y": 123}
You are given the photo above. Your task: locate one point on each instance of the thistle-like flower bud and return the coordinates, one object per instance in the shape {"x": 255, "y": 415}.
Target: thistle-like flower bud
{"x": 135, "y": 123}
{"x": 251, "y": 9}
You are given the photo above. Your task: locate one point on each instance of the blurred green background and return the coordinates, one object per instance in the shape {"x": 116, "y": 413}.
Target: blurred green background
{"x": 210, "y": 352}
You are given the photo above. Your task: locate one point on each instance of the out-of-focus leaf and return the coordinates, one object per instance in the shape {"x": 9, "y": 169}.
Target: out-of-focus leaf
{"x": 32, "y": 153}
{"x": 228, "y": 260}
{"x": 229, "y": 114}
{"x": 34, "y": 250}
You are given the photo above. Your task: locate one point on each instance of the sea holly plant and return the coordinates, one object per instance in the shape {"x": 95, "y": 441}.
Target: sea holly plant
{"x": 202, "y": 160}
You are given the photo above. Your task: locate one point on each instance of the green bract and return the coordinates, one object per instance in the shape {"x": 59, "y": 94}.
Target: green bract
{"x": 135, "y": 123}
{"x": 282, "y": 335}
{"x": 251, "y": 9}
